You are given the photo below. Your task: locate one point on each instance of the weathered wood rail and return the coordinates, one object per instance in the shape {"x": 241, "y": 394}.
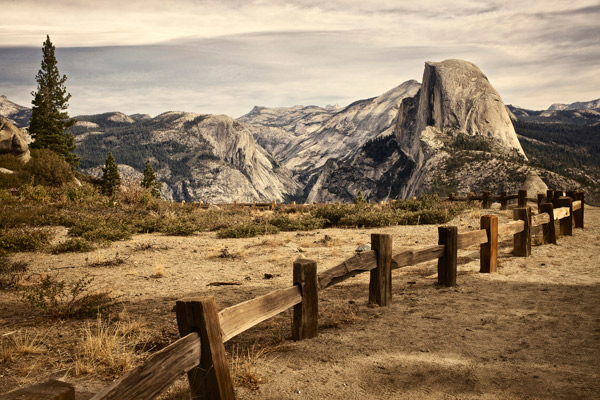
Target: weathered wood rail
{"x": 203, "y": 329}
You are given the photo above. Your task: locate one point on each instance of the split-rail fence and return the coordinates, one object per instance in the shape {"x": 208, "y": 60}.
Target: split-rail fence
{"x": 204, "y": 329}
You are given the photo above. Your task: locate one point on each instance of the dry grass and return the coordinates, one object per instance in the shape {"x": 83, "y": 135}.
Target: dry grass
{"x": 180, "y": 390}
{"x": 108, "y": 347}
{"x": 15, "y": 344}
{"x": 159, "y": 271}
{"x": 245, "y": 367}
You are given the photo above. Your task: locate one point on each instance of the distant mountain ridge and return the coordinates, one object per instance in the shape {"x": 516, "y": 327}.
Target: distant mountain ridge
{"x": 579, "y": 105}
{"x": 19, "y": 115}
{"x": 451, "y": 133}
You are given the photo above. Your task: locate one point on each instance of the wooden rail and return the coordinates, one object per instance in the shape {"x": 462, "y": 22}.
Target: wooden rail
{"x": 200, "y": 352}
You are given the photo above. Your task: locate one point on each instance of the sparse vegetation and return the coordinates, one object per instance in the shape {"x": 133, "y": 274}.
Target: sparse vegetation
{"x": 108, "y": 347}
{"x": 73, "y": 245}
{"x": 11, "y": 272}
{"x": 55, "y": 298}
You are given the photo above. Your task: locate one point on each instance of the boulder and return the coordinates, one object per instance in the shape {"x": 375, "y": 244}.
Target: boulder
{"x": 534, "y": 184}
{"x": 12, "y": 141}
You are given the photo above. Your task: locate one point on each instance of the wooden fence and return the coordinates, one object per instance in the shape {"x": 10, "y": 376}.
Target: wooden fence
{"x": 203, "y": 329}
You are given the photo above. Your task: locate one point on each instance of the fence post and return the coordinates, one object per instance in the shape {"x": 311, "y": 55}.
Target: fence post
{"x": 486, "y": 203}
{"x": 470, "y": 197}
{"x": 488, "y": 252}
{"x": 451, "y": 197}
{"x": 503, "y": 201}
{"x": 550, "y": 196}
{"x": 549, "y": 233}
{"x": 448, "y": 236}
{"x": 540, "y": 200}
{"x": 566, "y": 224}
{"x": 211, "y": 379}
{"x": 522, "y": 240}
{"x": 380, "y": 283}
{"x": 522, "y": 199}
{"x": 579, "y": 213}
{"x": 306, "y": 313}
{"x": 557, "y": 195}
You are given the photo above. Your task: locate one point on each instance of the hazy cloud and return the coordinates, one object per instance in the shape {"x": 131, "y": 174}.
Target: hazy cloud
{"x": 226, "y": 56}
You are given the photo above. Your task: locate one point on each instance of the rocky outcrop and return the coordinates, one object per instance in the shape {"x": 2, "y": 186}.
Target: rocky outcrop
{"x": 455, "y": 98}
{"x": 534, "y": 184}
{"x": 12, "y": 141}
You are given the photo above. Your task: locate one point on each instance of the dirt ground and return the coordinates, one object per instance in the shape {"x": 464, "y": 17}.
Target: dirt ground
{"x": 529, "y": 331}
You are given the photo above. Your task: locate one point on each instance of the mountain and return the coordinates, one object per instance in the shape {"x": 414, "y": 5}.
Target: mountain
{"x": 454, "y": 134}
{"x": 580, "y": 105}
{"x": 304, "y": 139}
{"x": 18, "y": 115}
{"x": 212, "y": 158}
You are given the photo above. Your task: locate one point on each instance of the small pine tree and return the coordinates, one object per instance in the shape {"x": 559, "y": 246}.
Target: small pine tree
{"x": 359, "y": 199}
{"x": 111, "y": 180}
{"x": 49, "y": 124}
{"x": 149, "y": 181}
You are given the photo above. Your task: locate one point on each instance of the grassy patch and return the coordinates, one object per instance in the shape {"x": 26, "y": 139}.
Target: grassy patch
{"x": 247, "y": 230}
{"x": 24, "y": 239}
{"x": 74, "y": 245}
{"x": 58, "y": 299}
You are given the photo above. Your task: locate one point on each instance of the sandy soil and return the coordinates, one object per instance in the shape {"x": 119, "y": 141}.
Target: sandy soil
{"x": 532, "y": 330}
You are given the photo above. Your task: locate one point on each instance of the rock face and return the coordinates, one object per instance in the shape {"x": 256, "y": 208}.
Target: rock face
{"x": 455, "y": 97}
{"x": 455, "y": 117}
{"x": 318, "y": 134}
{"x": 13, "y": 141}
{"x": 212, "y": 158}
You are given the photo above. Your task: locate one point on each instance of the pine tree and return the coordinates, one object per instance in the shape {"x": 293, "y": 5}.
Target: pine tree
{"x": 150, "y": 181}
{"x": 111, "y": 180}
{"x": 359, "y": 199}
{"x": 49, "y": 124}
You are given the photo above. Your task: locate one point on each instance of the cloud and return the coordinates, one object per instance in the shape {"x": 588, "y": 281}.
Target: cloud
{"x": 226, "y": 56}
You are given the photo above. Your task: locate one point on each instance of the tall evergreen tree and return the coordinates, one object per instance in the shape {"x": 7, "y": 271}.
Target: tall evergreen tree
{"x": 49, "y": 124}
{"x": 111, "y": 180}
{"x": 150, "y": 181}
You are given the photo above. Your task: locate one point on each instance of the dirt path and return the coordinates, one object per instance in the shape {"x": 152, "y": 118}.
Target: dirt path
{"x": 532, "y": 330}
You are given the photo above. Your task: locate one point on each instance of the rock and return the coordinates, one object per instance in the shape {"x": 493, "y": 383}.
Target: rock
{"x": 12, "y": 141}
{"x": 456, "y": 97}
{"x": 363, "y": 248}
{"x": 534, "y": 184}
{"x": 6, "y": 171}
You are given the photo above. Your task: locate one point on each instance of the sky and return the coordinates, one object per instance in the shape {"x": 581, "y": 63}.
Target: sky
{"x": 224, "y": 57}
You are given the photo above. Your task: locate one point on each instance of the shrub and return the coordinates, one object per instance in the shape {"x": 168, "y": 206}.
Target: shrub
{"x": 11, "y": 273}
{"x": 48, "y": 168}
{"x": 78, "y": 193}
{"x": 59, "y": 299}
{"x": 180, "y": 227}
{"x": 370, "y": 218}
{"x": 332, "y": 213}
{"x": 247, "y": 230}
{"x": 303, "y": 223}
{"x": 24, "y": 239}
{"x": 37, "y": 193}
{"x": 132, "y": 193}
{"x": 101, "y": 229}
{"x": 73, "y": 245}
